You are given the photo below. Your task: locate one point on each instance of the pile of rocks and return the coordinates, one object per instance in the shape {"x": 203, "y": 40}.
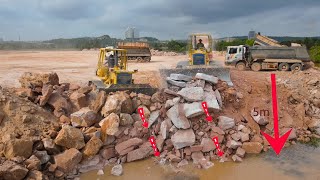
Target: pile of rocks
{"x": 305, "y": 97}
{"x": 85, "y": 129}
{"x": 155, "y": 52}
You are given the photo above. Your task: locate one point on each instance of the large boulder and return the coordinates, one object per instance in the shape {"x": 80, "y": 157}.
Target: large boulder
{"x": 83, "y": 118}
{"x": 58, "y": 102}
{"x": 29, "y": 79}
{"x": 18, "y": 147}
{"x": 92, "y": 147}
{"x": 50, "y": 146}
{"x": 126, "y": 119}
{"x": 207, "y": 145}
{"x": 127, "y": 146}
{"x": 208, "y": 78}
{"x": 118, "y": 103}
{"x": 10, "y": 170}
{"x": 110, "y": 125}
{"x": 226, "y": 122}
{"x": 176, "y": 115}
{"x": 212, "y": 101}
{"x": 193, "y": 110}
{"x": 183, "y": 138}
{"x": 192, "y": 94}
{"x": 153, "y": 118}
{"x": 252, "y": 147}
{"x": 79, "y": 100}
{"x": 68, "y": 160}
{"x": 99, "y": 101}
{"x": 70, "y": 137}
{"x": 199, "y": 159}
{"x": 140, "y": 153}
{"x": 47, "y": 90}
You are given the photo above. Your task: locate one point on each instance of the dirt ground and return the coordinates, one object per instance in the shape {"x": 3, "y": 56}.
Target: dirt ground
{"x": 72, "y": 66}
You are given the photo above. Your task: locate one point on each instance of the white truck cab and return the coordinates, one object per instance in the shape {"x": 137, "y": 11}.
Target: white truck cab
{"x": 235, "y": 54}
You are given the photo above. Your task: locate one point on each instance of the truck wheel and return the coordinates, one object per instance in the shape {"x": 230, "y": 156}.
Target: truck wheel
{"x": 256, "y": 66}
{"x": 147, "y": 59}
{"x": 296, "y": 67}
{"x": 241, "y": 66}
{"x": 139, "y": 59}
{"x": 283, "y": 67}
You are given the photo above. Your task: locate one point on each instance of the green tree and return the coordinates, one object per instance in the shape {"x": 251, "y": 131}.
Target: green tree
{"x": 315, "y": 54}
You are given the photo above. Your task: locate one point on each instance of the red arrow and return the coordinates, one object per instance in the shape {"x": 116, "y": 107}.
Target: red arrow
{"x": 205, "y": 108}
{"x": 277, "y": 142}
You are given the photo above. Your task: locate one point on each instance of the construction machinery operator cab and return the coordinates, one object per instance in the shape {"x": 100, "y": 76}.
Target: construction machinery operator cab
{"x": 200, "y": 49}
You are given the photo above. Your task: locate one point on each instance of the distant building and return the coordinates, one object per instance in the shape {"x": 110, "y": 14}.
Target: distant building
{"x": 251, "y": 35}
{"x": 131, "y": 33}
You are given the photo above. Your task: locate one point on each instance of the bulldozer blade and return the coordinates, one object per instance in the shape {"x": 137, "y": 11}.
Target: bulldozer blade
{"x": 136, "y": 88}
{"x": 214, "y": 70}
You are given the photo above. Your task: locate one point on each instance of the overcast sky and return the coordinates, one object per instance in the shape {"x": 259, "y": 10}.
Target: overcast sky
{"x": 164, "y": 19}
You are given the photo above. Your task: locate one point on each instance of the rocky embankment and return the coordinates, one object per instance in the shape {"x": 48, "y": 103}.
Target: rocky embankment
{"x": 57, "y": 131}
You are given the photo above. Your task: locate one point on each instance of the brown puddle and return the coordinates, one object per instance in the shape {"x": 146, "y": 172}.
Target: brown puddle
{"x": 296, "y": 162}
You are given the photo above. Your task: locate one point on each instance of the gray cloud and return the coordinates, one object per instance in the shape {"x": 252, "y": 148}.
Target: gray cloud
{"x": 41, "y": 19}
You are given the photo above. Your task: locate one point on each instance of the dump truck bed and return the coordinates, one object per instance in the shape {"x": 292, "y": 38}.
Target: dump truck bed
{"x": 272, "y": 52}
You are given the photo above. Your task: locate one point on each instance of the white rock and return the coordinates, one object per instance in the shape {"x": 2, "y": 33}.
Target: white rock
{"x": 117, "y": 170}
{"x": 192, "y": 94}
{"x": 207, "y": 78}
{"x": 180, "y": 77}
{"x": 226, "y": 122}
{"x": 179, "y": 120}
{"x": 193, "y": 110}
{"x": 183, "y": 138}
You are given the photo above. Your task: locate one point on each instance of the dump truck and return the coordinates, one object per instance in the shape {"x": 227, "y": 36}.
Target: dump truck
{"x": 267, "y": 57}
{"x": 138, "y": 51}
{"x": 266, "y": 41}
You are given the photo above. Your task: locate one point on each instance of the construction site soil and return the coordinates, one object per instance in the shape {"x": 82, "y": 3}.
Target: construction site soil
{"x": 298, "y": 103}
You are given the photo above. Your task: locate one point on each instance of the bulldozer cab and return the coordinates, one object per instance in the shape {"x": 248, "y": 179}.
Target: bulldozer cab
{"x": 200, "y": 49}
{"x": 113, "y": 58}
{"x": 113, "y": 74}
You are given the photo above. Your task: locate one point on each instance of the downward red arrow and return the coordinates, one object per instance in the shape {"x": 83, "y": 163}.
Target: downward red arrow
{"x": 277, "y": 142}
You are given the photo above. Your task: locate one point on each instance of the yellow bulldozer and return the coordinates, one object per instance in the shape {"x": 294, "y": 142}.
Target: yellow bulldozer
{"x": 113, "y": 74}
{"x": 200, "y": 59}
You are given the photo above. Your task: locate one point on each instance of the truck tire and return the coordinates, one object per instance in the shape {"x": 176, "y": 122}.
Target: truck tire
{"x": 283, "y": 67}
{"x": 241, "y": 66}
{"x": 147, "y": 59}
{"x": 139, "y": 59}
{"x": 256, "y": 66}
{"x": 296, "y": 67}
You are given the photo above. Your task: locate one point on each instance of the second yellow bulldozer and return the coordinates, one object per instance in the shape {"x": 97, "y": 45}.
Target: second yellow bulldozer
{"x": 200, "y": 59}
{"x": 113, "y": 74}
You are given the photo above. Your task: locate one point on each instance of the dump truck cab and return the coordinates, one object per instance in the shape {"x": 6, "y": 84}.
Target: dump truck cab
{"x": 200, "y": 49}
{"x": 236, "y": 54}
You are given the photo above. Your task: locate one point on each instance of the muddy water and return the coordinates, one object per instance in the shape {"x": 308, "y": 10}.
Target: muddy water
{"x": 296, "y": 162}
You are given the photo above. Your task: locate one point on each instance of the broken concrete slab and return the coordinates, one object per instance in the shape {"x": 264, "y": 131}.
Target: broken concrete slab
{"x": 192, "y": 94}
{"x": 177, "y": 118}
{"x": 180, "y": 77}
{"x": 193, "y": 110}
{"x": 176, "y": 83}
{"x": 183, "y": 138}
{"x": 226, "y": 122}
{"x": 208, "y": 78}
